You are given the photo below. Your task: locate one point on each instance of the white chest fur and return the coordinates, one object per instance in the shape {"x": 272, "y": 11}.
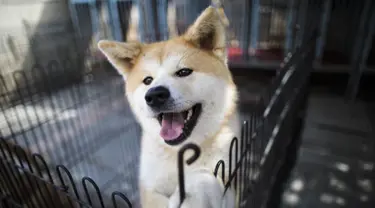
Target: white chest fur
{"x": 158, "y": 168}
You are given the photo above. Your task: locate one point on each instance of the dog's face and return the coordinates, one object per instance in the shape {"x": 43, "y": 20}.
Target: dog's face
{"x": 180, "y": 89}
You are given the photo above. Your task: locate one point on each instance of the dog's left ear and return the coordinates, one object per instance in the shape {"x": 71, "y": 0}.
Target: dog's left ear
{"x": 208, "y": 32}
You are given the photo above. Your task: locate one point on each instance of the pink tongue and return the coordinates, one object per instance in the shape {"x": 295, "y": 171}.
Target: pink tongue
{"x": 171, "y": 126}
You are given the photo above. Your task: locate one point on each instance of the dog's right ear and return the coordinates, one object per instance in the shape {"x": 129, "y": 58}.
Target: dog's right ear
{"x": 121, "y": 55}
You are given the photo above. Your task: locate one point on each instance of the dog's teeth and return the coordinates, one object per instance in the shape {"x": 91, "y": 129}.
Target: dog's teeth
{"x": 190, "y": 113}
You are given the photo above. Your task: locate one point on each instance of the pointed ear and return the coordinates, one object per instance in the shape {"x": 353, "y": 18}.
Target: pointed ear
{"x": 208, "y": 32}
{"x": 121, "y": 55}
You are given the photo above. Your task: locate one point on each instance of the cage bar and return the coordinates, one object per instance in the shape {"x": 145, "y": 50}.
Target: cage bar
{"x": 323, "y": 30}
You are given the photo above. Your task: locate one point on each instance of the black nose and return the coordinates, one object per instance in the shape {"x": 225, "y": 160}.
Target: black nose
{"x": 157, "y": 96}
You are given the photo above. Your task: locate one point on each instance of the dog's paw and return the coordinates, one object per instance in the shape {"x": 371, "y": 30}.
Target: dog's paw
{"x": 203, "y": 190}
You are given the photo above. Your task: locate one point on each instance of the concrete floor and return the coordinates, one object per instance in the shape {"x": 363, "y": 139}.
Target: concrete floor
{"x": 88, "y": 128}
{"x": 336, "y": 160}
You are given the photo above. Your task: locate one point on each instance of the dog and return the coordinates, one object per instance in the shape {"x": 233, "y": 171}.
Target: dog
{"x": 181, "y": 91}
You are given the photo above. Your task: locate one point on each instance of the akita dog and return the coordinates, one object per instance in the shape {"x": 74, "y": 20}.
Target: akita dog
{"x": 181, "y": 91}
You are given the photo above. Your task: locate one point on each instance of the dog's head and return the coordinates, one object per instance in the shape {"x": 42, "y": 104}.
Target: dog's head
{"x": 180, "y": 89}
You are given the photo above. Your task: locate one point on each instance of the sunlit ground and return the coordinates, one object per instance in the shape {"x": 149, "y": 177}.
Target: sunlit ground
{"x": 336, "y": 165}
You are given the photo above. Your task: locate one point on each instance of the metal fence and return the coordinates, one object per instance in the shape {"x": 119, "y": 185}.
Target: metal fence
{"x": 65, "y": 146}
{"x": 254, "y": 157}
{"x": 261, "y": 40}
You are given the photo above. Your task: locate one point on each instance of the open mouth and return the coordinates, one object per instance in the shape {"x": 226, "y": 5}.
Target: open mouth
{"x": 177, "y": 126}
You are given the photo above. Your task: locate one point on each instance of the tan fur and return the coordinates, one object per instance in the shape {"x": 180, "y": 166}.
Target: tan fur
{"x": 203, "y": 49}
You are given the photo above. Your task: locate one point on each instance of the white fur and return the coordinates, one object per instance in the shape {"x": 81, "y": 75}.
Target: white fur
{"x": 158, "y": 169}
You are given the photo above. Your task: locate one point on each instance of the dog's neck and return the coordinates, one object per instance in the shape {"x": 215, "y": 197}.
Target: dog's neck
{"x": 230, "y": 126}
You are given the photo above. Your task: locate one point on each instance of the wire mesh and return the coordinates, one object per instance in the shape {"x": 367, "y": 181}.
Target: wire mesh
{"x": 58, "y": 97}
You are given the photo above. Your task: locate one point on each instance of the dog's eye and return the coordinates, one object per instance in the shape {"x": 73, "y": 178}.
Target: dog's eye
{"x": 147, "y": 80}
{"x": 184, "y": 72}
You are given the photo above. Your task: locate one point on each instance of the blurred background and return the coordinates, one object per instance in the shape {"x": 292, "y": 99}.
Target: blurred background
{"x": 60, "y": 98}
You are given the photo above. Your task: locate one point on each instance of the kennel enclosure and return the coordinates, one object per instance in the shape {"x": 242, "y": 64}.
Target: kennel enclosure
{"x": 65, "y": 106}
{"x": 255, "y": 155}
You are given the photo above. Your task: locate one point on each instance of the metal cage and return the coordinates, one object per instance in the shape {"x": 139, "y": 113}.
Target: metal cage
{"x": 64, "y": 146}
